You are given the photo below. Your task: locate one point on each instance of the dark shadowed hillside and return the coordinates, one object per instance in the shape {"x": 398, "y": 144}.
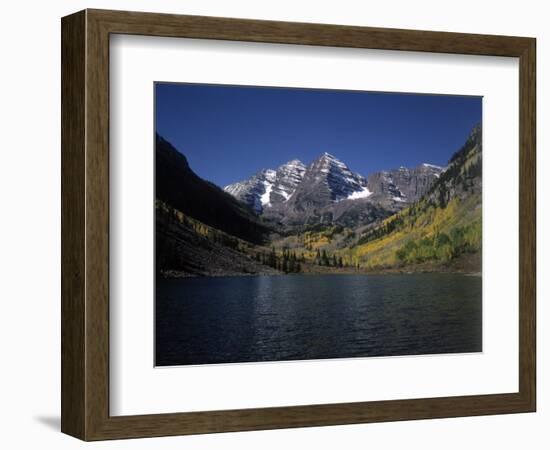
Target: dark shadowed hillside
{"x": 187, "y": 247}
{"x": 178, "y": 186}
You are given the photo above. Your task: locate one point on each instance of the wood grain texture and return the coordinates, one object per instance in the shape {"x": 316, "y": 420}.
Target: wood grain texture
{"x": 97, "y": 226}
{"x": 85, "y": 224}
{"x": 73, "y": 109}
{"x": 527, "y": 224}
{"x": 151, "y": 24}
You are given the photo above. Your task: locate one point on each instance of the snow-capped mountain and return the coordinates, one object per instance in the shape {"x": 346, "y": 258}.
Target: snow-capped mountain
{"x": 255, "y": 191}
{"x": 342, "y": 183}
{"x": 287, "y": 179}
{"x": 328, "y": 189}
{"x": 269, "y": 187}
{"x": 328, "y": 180}
{"x": 327, "y": 176}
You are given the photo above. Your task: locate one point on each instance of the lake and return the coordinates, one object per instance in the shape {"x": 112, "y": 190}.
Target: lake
{"x": 297, "y": 317}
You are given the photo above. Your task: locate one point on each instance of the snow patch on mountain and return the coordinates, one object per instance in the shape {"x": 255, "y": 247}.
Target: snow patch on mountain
{"x": 432, "y": 166}
{"x": 363, "y": 193}
{"x": 265, "y": 197}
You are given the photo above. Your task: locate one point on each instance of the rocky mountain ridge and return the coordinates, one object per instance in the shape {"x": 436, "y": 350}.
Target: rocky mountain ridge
{"x": 327, "y": 190}
{"x": 269, "y": 187}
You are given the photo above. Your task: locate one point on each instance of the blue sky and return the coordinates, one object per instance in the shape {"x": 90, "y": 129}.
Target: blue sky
{"x": 229, "y": 133}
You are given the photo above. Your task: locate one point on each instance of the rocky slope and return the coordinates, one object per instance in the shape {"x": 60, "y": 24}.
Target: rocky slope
{"x": 187, "y": 247}
{"x": 269, "y": 188}
{"x": 327, "y": 191}
{"x": 404, "y": 184}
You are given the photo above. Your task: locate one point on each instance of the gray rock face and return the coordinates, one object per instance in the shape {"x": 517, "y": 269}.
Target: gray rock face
{"x": 287, "y": 178}
{"x": 269, "y": 187}
{"x": 382, "y": 184}
{"x": 404, "y": 184}
{"x": 327, "y": 181}
{"x": 252, "y": 191}
{"x": 332, "y": 179}
{"x": 327, "y": 191}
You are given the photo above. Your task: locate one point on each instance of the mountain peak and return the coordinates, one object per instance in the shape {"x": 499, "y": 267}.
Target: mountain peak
{"x": 328, "y": 163}
{"x": 327, "y": 155}
{"x": 295, "y": 187}
{"x": 294, "y": 162}
{"x": 269, "y": 187}
{"x": 330, "y": 175}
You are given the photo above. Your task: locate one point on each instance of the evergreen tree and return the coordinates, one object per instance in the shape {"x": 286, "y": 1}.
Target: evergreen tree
{"x": 273, "y": 258}
{"x": 325, "y": 259}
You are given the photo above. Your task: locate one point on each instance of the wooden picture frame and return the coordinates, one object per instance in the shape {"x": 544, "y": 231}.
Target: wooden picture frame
{"x": 85, "y": 224}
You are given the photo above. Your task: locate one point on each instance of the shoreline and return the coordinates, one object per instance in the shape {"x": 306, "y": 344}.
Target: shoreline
{"x": 390, "y": 271}
{"x": 466, "y": 264}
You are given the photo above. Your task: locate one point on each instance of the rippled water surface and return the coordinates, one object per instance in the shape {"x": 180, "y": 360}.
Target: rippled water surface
{"x": 274, "y": 318}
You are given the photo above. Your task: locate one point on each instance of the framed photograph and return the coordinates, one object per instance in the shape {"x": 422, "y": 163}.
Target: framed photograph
{"x": 273, "y": 225}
